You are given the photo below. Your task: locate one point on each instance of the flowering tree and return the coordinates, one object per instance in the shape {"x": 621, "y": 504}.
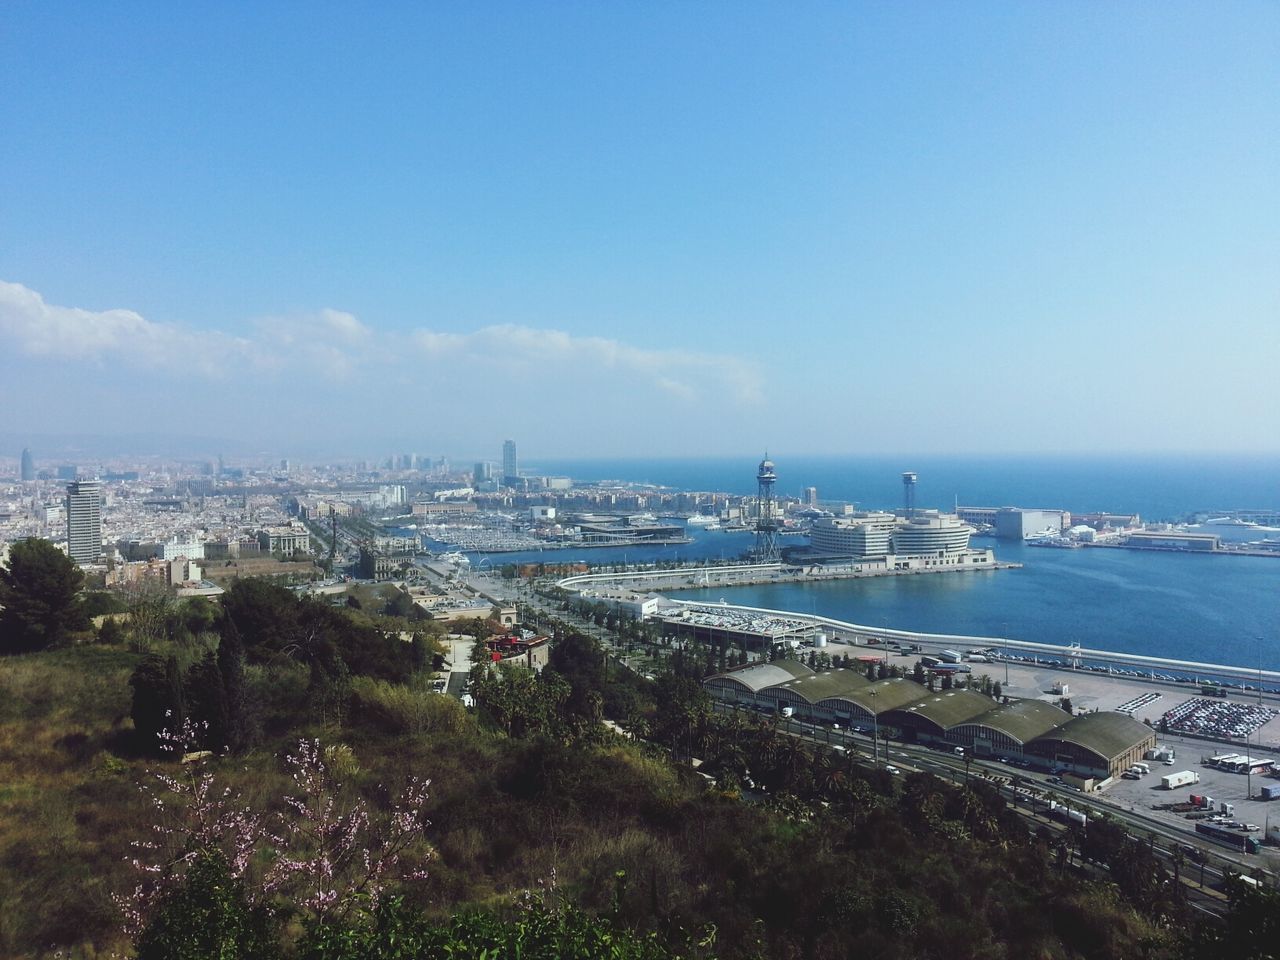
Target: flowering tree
{"x": 326, "y": 855}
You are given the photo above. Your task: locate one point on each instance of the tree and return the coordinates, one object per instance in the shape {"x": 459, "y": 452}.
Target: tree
{"x": 38, "y": 597}
{"x": 158, "y": 703}
{"x": 209, "y": 914}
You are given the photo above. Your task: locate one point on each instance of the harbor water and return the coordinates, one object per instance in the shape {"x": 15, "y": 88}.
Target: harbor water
{"x": 1220, "y": 608}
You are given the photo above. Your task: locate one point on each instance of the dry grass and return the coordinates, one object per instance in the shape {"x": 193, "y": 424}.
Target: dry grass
{"x": 68, "y": 806}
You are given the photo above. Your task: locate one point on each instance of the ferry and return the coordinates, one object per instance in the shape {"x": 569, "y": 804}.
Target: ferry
{"x": 702, "y": 520}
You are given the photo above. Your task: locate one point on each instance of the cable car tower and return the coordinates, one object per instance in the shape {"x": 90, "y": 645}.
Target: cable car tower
{"x": 766, "y": 550}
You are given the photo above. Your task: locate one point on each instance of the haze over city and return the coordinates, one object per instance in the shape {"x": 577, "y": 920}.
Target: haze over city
{"x": 658, "y": 229}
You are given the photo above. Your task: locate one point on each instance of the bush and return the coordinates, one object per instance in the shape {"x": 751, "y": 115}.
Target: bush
{"x": 209, "y": 915}
{"x": 396, "y": 708}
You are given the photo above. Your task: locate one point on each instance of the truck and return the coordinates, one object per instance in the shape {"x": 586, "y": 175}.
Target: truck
{"x": 787, "y": 711}
{"x": 1142, "y": 768}
{"x": 1228, "y": 837}
{"x": 1172, "y": 781}
{"x": 1067, "y": 814}
{"x": 950, "y": 656}
{"x": 1271, "y": 791}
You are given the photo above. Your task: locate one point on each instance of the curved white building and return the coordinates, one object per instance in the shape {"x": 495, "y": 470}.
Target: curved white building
{"x": 931, "y": 535}
{"x": 859, "y": 535}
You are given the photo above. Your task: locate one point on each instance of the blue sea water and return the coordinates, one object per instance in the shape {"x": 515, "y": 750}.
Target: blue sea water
{"x": 1157, "y": 487}
{"x": 1222, "y": 609}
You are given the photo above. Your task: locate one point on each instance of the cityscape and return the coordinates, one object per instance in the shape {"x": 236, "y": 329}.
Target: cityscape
{"x": 666, "y": 482}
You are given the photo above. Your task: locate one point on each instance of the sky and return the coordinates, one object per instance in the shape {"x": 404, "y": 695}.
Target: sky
{"x": 646, "y": 229}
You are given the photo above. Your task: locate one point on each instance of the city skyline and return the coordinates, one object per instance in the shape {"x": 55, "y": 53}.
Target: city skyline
{"x": 829, "y": 230}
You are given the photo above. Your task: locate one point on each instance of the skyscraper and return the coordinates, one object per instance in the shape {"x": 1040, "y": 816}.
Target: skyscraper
{"x": 510, "y": 464}
{"x": 28, "y": 466}
{"x": 84, "y": 521}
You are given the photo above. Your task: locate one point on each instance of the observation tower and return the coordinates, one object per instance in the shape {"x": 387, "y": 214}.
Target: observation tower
{"x": 909, "y": 493}
{"x": 766, "y": 550}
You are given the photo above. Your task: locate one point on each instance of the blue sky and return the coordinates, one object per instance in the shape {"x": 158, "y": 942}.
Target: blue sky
{"x": 654, "y": 228}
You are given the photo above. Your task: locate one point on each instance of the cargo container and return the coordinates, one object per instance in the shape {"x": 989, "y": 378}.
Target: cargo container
{"x": 1172, "y": 781}
{"x": 1228, "y": 837}
{"x": 1271, "y": 791}
{"x": 950, "y": 656}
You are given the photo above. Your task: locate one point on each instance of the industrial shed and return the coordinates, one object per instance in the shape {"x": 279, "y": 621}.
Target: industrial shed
{"x": 1096, "y": 744}
{"x": 929, "y": 719}
{"x": 862, "y": 704}
{"x": 743, "y": 684}
{"x": 819, "y": 696}
{"x": 1006, "y": 730}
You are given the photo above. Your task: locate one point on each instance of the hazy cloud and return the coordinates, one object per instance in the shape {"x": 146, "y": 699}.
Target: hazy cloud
{"x": 679, "y": 373}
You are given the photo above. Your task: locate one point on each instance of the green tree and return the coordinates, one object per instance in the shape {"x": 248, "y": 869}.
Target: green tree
{"x": 209, "y": 916}
{"x": 38, "y": 597}
{"x": 158, "y": 702}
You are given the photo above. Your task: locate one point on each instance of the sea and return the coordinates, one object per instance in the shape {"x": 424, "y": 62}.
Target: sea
{"x": 1219, "y": 609}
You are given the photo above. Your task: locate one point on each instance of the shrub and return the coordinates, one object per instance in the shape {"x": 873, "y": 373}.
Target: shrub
{"x": 396, "y": 708}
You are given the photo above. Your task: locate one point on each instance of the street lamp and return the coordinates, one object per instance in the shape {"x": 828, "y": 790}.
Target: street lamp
{"x": 1005, "y": 631}
{"x": 875, "y": 730}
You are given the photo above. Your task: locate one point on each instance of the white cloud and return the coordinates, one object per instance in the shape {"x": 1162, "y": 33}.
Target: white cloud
{"x": 682, "y": 374}
{"x": 329, "y": 341}
{"x": 548, "y": 385}
{"x": 45, "y": 330}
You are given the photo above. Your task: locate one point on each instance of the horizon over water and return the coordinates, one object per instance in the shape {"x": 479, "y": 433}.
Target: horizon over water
{"x": 1219, "y": 609}
{"x": 1159, "y": 487}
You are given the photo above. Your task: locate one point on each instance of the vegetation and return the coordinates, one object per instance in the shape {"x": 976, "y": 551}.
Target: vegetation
{"x": 39, "y": 606}
{"x": 772, "y": 849}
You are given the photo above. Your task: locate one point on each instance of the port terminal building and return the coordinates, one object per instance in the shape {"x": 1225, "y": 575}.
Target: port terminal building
{"x": 881, "y": 542}
{"x": 1095, "y": 745}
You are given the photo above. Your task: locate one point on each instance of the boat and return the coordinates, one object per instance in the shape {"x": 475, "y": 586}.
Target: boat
{"x": 702, "y": 520}
{"x": 1228, "y": 522}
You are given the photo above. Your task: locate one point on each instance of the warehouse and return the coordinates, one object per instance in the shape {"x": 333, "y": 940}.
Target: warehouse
{"x": 744, "y": 684}
{"x": 1096, "y": 744}
{"x": 1008, "y": 729}
{"x": 864, "y": 704}
{"x": 825, "y": 696}
{"x": 929, "y": 720}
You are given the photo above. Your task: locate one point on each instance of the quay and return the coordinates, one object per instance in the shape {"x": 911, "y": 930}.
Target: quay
{"x": 642, "y": 589}
{"x": 754, "y": 574}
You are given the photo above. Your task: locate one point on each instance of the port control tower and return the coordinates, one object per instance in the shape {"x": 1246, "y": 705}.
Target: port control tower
{"x": 766, "y": 513}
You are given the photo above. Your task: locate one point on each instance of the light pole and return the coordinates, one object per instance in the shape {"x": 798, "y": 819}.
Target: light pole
{"x": 875, "y": 730}
{"x": 1004, "y": 630}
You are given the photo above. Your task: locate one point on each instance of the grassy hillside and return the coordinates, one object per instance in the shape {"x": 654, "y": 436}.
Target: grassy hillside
{"x": 837, "y": 861}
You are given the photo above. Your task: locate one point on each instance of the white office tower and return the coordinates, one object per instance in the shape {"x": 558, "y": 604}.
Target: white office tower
{"x": 510, "y": 464}
{"x": 84, "y": 521}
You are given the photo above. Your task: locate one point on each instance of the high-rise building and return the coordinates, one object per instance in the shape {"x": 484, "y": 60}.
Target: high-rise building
{"x": 510, "y": 464}
{"x": 84, "y": 521}
{"x": 811, "y": 496}
{"x": 483, "y": 472}
{"x": 28, "y": 466}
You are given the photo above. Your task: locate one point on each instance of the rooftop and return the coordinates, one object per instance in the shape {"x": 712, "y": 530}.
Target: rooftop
{"x": 757, "y": 676}
{"x": 1106, "y": 733}
{"x": 950, "y": 707}
{"x": 1023, "y": 720}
